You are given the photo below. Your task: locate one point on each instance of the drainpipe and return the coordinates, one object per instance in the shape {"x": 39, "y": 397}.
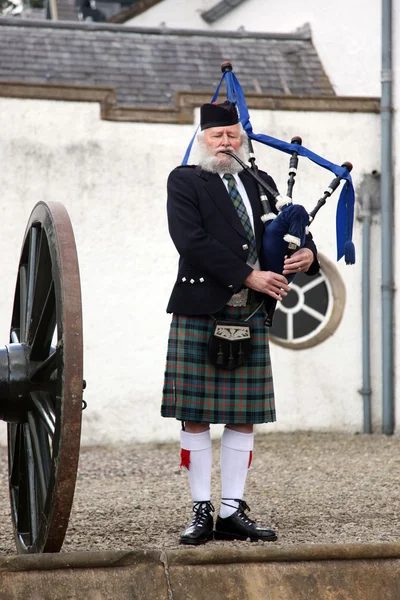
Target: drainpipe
{"x": 369, "y": 198}
{"x": 387, "y": 222}
{"x": 365, "y": 309}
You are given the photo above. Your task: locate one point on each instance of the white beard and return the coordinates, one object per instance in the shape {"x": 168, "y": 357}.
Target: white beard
{"x": 213, "y": 162}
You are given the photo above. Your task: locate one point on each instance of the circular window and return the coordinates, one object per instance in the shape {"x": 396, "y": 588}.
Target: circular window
{"x": 312, "y": 310}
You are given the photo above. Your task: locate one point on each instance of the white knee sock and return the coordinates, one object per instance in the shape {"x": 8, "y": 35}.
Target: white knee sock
{"x": 236, "y": 455}
{"x": 197, "y": 458}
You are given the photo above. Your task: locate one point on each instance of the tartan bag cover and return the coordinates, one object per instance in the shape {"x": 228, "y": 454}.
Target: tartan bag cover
{"x": 194, "y": 390}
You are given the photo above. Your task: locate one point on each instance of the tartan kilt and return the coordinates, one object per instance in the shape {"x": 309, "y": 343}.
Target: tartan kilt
{"x": 194, "y": 390}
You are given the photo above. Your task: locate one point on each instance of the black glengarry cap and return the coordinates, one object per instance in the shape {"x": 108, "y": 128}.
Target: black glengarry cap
{"x": 218, "y": 115}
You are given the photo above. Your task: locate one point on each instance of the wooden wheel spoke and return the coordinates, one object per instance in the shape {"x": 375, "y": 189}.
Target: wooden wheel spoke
{"x": 44, "y": 371}
{"x": 32, "y": 268}
{"x": 18, "y": 481}
{"x": 40, "y": 460}
{"x": 44, "y": 333}
{"x": 23, "y": 293}
{"x": 31, "y": 483}
{"x": 46, "y": 450}
{"x": 45, "y": 410}
{"x": 43, "y": 283}
{"x": 14, "y": 444}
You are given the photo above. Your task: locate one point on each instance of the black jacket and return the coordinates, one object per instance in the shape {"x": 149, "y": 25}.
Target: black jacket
{"x": 209, "y": 236}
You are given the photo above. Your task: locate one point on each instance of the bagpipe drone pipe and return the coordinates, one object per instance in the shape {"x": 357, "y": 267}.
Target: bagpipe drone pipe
{"x": 285, "y": 232}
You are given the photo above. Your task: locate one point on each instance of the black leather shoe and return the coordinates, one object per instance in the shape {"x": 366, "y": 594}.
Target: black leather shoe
{"x": 200, "y": 529}
{"x": 239, "y": 527}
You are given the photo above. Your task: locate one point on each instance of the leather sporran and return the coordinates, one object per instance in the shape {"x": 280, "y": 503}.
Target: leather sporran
{"x": 230, "y": 344}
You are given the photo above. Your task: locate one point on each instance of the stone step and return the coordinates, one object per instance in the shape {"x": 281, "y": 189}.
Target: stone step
{"x": 265, "y": 572}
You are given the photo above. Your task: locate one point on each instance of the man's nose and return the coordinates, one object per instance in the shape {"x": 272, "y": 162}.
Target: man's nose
{"x": 225, "y": 139}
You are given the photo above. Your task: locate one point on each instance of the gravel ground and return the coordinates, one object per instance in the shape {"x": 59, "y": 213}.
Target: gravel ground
{"x": 310, "y": 487}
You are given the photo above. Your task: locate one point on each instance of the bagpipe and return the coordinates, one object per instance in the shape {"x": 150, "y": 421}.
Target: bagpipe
{"x": 284, "y": 232}
{"x": 285, "y": 229}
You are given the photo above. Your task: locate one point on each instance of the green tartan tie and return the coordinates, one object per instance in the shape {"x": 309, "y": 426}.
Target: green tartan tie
{"x": 243, "y": 215}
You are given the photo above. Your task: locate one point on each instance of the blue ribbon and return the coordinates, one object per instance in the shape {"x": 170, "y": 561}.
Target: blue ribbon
{"x": 345, "y": 206}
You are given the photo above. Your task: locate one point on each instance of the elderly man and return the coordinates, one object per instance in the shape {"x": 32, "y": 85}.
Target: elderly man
{"x": 214, "y": 216}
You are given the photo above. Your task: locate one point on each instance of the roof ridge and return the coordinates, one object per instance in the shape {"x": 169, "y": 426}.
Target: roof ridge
{"x": 93, "y": 26}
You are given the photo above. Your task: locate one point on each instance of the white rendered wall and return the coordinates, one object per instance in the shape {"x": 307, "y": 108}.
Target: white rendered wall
{"x": 112, "y": 179}
{"x": 346, "y": 34}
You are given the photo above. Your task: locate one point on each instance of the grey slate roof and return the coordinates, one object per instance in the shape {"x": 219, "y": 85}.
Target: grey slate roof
{"x": 147, "y": 66}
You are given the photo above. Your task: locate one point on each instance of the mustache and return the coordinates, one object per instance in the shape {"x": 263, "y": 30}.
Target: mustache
{"x": 224, "y": 149}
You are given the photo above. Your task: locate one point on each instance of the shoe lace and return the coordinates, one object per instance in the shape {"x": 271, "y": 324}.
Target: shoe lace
{"x": 240, "y": 510}
{"x": 201, "y": 511}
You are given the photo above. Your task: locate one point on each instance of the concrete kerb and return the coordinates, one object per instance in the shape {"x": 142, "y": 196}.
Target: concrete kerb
{"x": 345, "y": 571}
{"x": 78, "y": 560}
{"x": 269, "y": 553}
{"x": 198, "y": 556}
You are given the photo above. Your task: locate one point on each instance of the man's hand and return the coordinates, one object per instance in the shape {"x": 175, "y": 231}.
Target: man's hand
{"x": 268, "y": 282}
{"x": 301, "y": 260}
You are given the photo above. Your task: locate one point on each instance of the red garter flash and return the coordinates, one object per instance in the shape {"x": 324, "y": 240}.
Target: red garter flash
{"x": 250, "y": 459}
{"x": 185, "y": 459}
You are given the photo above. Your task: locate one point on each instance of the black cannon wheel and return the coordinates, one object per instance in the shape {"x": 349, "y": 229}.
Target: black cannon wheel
{"x": 43, "y": 449}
